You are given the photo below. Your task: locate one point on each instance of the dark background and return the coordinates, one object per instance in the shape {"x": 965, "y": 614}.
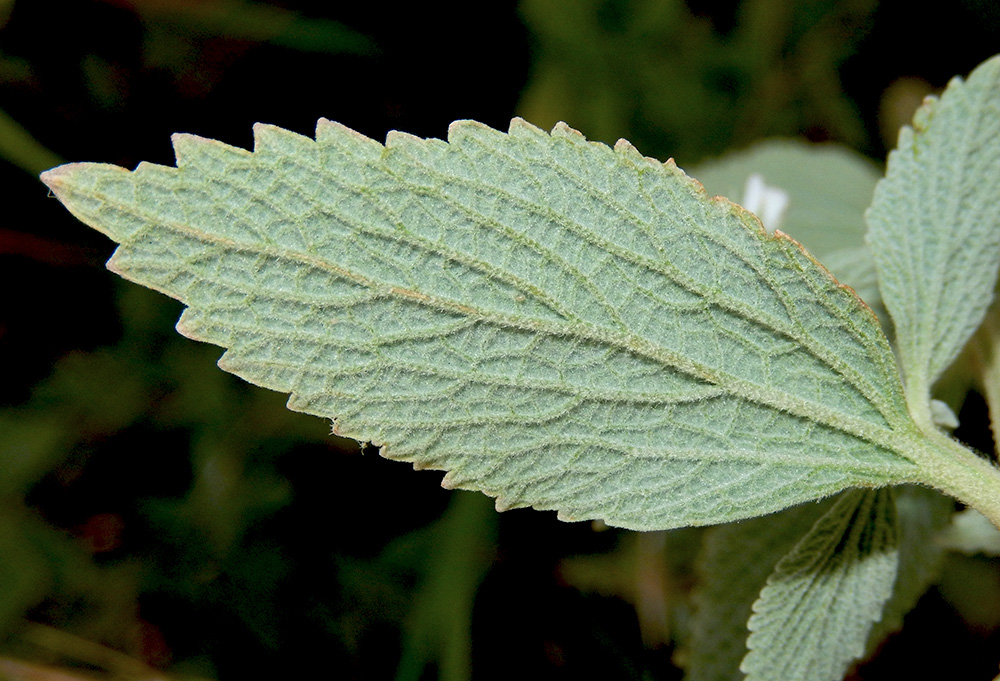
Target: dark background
{"x": 163, "y": 510}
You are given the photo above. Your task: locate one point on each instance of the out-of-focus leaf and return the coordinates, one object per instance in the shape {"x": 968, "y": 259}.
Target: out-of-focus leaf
{"x": 18, "y": 146}
{"x": 437, "y": 630}
{"x": 258, "y": 22}
{"x": 829, "y": 188}
{"x": 971, "y": 587}
{"x": 734, "y": 565}
{"x": 652, "y": 72}
{"x": 984, "y": 354}
{"x": 31, "y": 444}
{"x": 971, "y": 533}
{"x": 921, "y": 513}
{"x": 5, "y": 8}
{"x": 737, "y": 559}
{"x": 644, "y": 569}
{"x": 25, "y": 572}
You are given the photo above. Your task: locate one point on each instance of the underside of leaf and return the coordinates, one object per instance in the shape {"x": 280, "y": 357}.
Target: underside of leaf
{"x": 813, "y": 618}
{"x": 554, "y": 322}
{"x": 934, "y": 228}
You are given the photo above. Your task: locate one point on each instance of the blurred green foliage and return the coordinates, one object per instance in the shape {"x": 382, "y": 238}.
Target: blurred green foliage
{"x": 158, "y": 514}
{"x": 655, "y": 73}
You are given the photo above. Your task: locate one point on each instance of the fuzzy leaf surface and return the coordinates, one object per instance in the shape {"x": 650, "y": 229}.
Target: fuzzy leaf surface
{"x": 735, "y": 561}
{"x": 921, "y": 514}
{"x": 933, "y": 225}
{"x": 814, "y": 616}
{"x": 829, "y": 187}
{"x": 555, "y": 322}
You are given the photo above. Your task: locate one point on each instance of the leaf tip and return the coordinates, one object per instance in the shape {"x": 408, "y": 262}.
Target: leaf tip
{"x": 55, "y": 178}
{"x": 75, "y": 185}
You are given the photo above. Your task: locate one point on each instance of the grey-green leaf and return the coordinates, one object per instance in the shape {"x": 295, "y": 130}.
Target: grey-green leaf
{"x": 921, "y": 513}
{"x": 555, "y": 322}
{"x": 829, "y": 188}
{"x": 856, "y": 268}
{"x": 934, "y": 228}
{"x": 815, "y": 614}
{"x": 734, "y": 564}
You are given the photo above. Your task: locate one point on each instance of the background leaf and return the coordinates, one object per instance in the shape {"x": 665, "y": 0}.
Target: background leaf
{"x": 985, "y": 357}
{"x": 20, "y": 148}
{"x": 921, "y": 513}
{"x": 556, "y": 323}
{"x": 622, "y": 68}
{"x": 815, "y": 613}
{"x": 438, "y": 629}
{"x": 736, "y": 560}
{"x": 829, "y": 188}
{"x": 934, "y": 228}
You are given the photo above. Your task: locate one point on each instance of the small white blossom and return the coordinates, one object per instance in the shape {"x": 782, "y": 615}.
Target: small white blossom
{"x": 766, "y": 202}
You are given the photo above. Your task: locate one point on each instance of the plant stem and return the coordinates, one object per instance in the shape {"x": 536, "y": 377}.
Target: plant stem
{"x": 959, "y": 472}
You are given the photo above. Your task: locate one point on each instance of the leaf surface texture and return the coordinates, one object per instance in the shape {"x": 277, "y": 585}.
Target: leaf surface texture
{"x": 735, "y": 562}
{"x": 933, "y": 225}
{"x": 815, "y": 614}
{"x": 555, "y": 322}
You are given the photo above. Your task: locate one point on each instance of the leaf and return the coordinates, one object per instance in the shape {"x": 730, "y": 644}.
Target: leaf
{"x": 985, "y": 355}
{"x": 934, "y": 228}
{"x": 829, "y": 189}
{"x": 856, "y": 268}
{"x": 814, "y": 616}
{"x": 556, "y": 323}
{"x": 19, "y": 147}
{"x": 736, "y": 560}
{"x": 25, "y": 574}
{"x": 921, "y": 513}
{"x": 606, "y": 65}
{"x": 439, "y": 624}
{"x": 256, "y": 22}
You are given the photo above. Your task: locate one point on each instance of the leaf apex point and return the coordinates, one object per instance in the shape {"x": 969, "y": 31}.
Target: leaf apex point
{"x": 54, "y": 178}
